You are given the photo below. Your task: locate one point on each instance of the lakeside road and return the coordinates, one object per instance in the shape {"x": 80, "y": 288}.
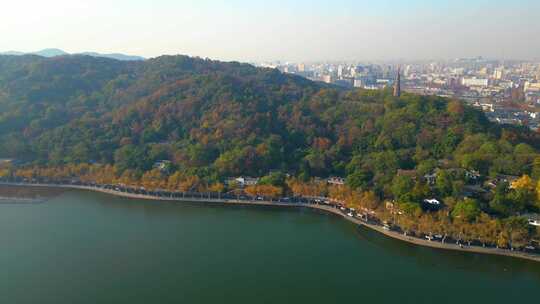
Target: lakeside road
{"x": 324, "y": 208}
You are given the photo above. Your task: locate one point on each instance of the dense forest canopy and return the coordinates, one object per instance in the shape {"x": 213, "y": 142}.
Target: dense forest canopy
{"x": 218, "y": 119}
{"x": 113, "y": 120}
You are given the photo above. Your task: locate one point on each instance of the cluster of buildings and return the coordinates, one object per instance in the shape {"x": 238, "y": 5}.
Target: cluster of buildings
{"x": 508, "y": 91}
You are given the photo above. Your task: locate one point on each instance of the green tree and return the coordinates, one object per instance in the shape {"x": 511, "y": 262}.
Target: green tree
{"x": 359, "y": 179}
{"x": 274, "y": 179}
{"x": 500, "y": 202}
{"x": 517, "y": 230}
{"x": 444, "y": 183}
{"x": 535, "y": 172}
{"x": 402, "y": 185}
{"x": 131, "y": 157}
{"x": 467, "y": 209}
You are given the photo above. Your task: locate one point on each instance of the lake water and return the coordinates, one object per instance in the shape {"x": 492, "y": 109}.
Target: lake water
{"x": 85, "y": 247}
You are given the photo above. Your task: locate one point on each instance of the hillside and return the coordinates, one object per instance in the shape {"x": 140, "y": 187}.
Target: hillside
{"x": 217, "y": 119}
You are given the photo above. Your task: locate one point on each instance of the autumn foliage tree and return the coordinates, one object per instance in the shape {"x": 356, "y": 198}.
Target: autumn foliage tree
{"x": 264, "y": 190}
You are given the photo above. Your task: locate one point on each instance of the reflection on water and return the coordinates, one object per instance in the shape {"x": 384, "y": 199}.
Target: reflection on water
{"x": 29, "y": 192}
{"x": 423, "y": 256}
{"x": 448, "y": 259}
{"x": 84, "y": 247}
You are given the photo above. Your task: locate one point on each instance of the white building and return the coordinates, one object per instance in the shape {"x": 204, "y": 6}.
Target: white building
{"x": 432, "y": 201}
{"x": 533, "y": 219}
{"x": 535, "y": 222}
{"x": 327, "y": 78}
{"x": 246, "y": 181}
{"x": 475, "y": 82}
{"x": 358, "y": 83}
{"x": 532, "y": 87}
{"x": 338, "y": 181}
{"x": 498, "y": 73}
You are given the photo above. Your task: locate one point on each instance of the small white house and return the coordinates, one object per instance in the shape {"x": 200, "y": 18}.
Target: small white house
{"x": 246, "y": 181}
{"x": 534, "y": 222}
{"x": 432, "y": 201}
{"x": 533, "y": 219}
{"x": 338, "y": 181}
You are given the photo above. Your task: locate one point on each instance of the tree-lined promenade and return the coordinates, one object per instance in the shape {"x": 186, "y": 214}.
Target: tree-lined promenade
{"x": 368, "y": 218}
{"x": 463, "y": 220}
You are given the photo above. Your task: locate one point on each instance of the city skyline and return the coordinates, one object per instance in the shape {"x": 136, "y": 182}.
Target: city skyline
{"x": 249, "y": 31}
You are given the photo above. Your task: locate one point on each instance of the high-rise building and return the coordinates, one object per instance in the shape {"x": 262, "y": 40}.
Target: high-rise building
{"x": 358, "y": 83}
{"x": 483, "y": 71}
{"x": 531, "y": 87}
{"x": 327, "y": 78}
{"x": 340, "y": 71}
{"x": 498, "y": 73}
{"x": 407, "y": 71}
{"x": 397, "y": 83}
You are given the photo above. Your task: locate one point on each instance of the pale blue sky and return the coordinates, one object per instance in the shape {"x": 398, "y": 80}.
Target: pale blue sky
{"x": 269, "y": 30}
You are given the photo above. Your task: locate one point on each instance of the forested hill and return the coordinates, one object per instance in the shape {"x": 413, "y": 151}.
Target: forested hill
{"x": 58, "y": 109}
{"x": 214, "y": 119}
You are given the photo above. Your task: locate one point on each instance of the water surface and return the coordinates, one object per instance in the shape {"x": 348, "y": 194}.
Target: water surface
{"x": 83, "y": 247}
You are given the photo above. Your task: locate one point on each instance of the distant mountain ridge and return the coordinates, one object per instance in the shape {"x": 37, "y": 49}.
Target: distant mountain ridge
{"x": 116, "y": 56}
{"x": 52, "y": 52}
{"x": 12, "y": 53}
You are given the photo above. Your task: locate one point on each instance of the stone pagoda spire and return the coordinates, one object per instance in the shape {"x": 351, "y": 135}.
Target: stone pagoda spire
{"x": 397, "y": 83}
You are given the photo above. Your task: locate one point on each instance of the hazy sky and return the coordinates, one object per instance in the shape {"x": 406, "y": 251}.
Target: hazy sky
{"x": 248, "y": 30}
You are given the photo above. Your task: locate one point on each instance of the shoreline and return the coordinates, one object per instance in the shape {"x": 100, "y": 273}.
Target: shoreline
{"x": 328, "y": 209}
